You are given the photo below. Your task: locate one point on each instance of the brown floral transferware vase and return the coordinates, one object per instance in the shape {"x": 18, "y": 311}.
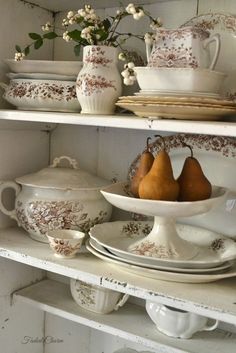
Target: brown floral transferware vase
{"x": 99, "y": 83}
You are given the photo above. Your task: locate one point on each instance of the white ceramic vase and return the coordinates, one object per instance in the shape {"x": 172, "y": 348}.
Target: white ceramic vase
{"x": 99, "y": 82}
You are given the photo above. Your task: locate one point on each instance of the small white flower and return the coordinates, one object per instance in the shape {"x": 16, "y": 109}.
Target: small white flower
{"x": 118, "y": 12}
{"x": 19, "y": 56}
{"x": 65, "y": 22}
{"x": 121, "y": 56}
{"x": 131, "y": 65}
{"x": 66, "y": 37}
{"x": 70, "y": 14}
{"x": 125, "y": 73}
{"x": 46, "y": 27}
{"x": 136, "y": 16}
{"x": 128, "y": 81}
{"x": 141, "y": 13}
{"x": 72, "y": 20}
{"x": 81, "y": 13}
{"x": 130, "y": 9}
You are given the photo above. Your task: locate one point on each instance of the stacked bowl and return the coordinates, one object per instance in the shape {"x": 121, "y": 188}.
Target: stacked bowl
{"x": 42, "y": 85}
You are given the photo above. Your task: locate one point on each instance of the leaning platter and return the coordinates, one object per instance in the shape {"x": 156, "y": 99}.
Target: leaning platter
{"x": 117, "y": 237}
{"x": 164, "y": 275}
{"x": 225, "y": 266}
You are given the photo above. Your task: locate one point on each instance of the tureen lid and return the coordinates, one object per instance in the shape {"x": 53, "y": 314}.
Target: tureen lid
{"x": 56, "y": 177}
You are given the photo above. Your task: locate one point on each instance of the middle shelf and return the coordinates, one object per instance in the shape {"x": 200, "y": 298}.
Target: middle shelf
{"x": 16, "y": 245}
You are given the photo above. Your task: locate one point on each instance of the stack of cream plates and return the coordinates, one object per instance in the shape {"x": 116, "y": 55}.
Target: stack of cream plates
{"x": 214, "y": 261}
{"x": 178, "y": 106}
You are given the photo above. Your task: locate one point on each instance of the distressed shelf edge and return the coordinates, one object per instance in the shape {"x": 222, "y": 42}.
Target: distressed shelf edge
{"x": 16, "y": 245}
{"x": 130, "y": 322}
{"x": 221, "y": 128}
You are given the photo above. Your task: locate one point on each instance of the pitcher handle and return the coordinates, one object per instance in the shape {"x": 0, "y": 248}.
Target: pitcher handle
{"x": 214, "y": 38}
{"x": 9, "y": 185}
{"x": 211, "y": 327}
{"x": 121, "y": 301}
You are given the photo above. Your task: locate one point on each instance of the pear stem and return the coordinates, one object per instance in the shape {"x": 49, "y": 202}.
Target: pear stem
{"x": 147, "y": 143}
{"x": 162, "y": 139}
{"x": 186, "y": 145}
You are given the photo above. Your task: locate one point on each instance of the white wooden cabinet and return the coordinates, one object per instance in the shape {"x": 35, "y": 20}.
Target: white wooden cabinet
{"x": 35, "y": 302}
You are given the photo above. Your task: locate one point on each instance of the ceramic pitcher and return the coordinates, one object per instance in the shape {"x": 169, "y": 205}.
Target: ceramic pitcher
{"x": 177, "y": 323}
{"x": 183, "y": 47}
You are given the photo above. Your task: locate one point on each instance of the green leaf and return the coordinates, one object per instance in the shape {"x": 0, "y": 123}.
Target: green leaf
{"x": 77, "y": 49}
{"x": 50, "y": 35}
{"x": 38, "y": 43}
{"x": 106, "y": 24}
{"x": 26, "y": 51}
{"x": 35, "y": 36}
{"x": 18, "y": 48}
{"x": 75, "y": 35}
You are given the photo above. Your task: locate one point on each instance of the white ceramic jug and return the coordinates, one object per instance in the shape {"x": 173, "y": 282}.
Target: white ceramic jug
{"x": 177, "y": 323}
{"x": 182, "y": 47}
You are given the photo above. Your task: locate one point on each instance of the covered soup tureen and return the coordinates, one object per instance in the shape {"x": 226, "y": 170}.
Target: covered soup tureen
{"x": 57, "y": 198}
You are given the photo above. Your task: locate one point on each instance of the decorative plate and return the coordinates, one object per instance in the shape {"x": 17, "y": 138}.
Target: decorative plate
{"x": 41, "y": 76}
{"x": 217, "y": 156}
{"x": 226, "y": 265}
{"x": 214, "y": 249}
{"x": 164, "y": 275}
{"x": 177, "y": 93}
{"x": 225, "y": 25}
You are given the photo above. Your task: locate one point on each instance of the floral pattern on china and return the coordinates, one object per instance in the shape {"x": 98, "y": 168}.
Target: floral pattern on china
{"x": 183, "y": 47}
{"x": 225, "y": 25}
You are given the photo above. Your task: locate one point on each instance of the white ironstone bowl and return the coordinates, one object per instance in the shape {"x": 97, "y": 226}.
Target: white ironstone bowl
{"x": 179, "y": 79}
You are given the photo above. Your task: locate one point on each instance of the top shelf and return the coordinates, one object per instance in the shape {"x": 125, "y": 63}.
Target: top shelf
{"x": 222, "y": 128}
{"x": 62, "y": 5}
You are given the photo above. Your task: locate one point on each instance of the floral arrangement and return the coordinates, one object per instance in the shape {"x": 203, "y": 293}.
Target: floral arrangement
{"x": 92, "y": 30}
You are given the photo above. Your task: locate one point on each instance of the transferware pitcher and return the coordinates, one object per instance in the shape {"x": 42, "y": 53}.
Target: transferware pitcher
{"x": 183, "y": 47}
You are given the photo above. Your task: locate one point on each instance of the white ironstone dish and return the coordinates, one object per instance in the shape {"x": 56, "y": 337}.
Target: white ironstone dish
{"x": 45, "y": 66}
{"x": 41, "y": 76}
{"x": 103, "y": 250}
{"x": 225, "y": 25}
{"x": 164, "y": 275}
{"x": 173, "y": 93}
{"x": 117, "y": 237}
{"x": 179, "y": 79}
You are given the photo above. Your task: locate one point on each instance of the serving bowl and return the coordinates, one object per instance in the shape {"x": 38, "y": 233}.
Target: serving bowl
{"x": 57, "y": 198}
{"x": 65, "y": 243}
{"x": 45, "y": 66}
{"x": 44, "y": 95}
{"x": 179, "y": 79}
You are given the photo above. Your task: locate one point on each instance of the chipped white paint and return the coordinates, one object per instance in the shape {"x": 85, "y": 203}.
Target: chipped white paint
{"x": 130, "y": 322}
{"x": 16, "y": 245}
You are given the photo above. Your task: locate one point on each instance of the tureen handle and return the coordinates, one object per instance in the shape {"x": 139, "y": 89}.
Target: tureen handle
{"x": 9, "y": 185}
{"x": 57, "y": 160}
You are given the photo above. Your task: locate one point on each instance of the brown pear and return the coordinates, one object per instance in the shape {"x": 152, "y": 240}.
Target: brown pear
{"x": 194, "y": 186}
{"x": 159, "y": 183}
{"x": 146, "y": 161}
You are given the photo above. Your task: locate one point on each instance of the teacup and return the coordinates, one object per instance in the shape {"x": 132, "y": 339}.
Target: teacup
{"x": 65, "y": 242}
{"x": 183, "y": 47}
{"x": 95, "y": 298}
{"x": 177, "y": 323}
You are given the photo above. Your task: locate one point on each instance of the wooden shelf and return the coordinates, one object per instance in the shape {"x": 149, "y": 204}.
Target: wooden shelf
{"x": 131, "y": 322}
{"x": 223, "y": 128}
{"x": 215, "y": 300}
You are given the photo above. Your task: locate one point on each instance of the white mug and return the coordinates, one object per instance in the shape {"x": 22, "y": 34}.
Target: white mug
{"x": 177, "y": 323}
{"x": 95, "y": 298}
{"x": 183, "y": 47}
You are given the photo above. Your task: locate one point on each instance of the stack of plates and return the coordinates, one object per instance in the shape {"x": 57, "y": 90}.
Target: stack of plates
{"x": 178, "y": 105}
{"x": 214, "y": 261}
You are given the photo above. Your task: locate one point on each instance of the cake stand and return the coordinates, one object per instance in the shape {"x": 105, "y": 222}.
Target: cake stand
{"x": 163, "y": 241}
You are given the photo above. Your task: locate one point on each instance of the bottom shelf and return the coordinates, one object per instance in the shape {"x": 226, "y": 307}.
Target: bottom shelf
{"x": 130, "y": 322}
